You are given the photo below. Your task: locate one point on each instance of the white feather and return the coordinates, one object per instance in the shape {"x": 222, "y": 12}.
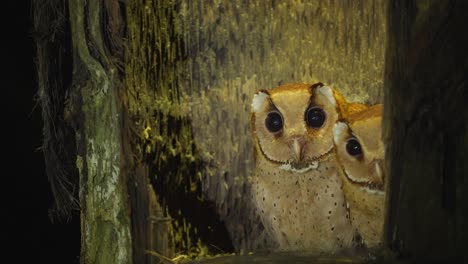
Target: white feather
{"x": 354, "y": 179}
{"x": 288, "y": 167}
{"x": 338, "y": 131}
{"x": 372, "y": 191}
{"x": 328, "y": 93}
{"x": 258, "y": 101}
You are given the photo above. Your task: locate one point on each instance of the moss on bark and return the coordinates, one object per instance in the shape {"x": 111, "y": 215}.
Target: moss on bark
{"x": 105, "y": 222}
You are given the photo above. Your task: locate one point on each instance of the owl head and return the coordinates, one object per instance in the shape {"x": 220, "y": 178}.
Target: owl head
{"x": 293, "y": 123}
{"x": 359, "y": 148}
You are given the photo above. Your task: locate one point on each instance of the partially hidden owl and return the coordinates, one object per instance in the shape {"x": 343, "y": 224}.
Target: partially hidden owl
{"x": 297, "y": 188}
{"x": 360, "y": 152}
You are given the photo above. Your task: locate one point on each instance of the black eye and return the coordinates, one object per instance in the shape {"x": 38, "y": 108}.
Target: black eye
{"x": 353, "y": 147}
{"x": 274, "y": 122}
{"x": 315, "y": 117}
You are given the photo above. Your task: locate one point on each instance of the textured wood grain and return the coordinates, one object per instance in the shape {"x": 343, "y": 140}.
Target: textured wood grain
{"x": 425, "y": 117}
{"x": 105, "y": 221}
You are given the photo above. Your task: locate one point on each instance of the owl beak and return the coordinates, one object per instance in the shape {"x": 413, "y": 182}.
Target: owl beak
{"x": 378, "y": 166}
{"x": 297, "y": 147}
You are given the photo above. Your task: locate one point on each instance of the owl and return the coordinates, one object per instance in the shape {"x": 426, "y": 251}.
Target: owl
{"x": 297, "y": 187}
{"x": 360, "y": 152}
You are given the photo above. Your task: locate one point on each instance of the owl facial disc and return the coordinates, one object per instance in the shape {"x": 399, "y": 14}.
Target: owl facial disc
{"x": 293, "y": 123}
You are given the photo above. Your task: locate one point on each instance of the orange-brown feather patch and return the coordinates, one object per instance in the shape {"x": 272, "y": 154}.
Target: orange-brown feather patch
{"x": 372, "y": 111}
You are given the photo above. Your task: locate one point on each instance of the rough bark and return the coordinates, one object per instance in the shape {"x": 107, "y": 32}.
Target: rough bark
{"x": 105, "y": 210}
{"x": 53, "y": 64}
{"x": 426, "y": 130}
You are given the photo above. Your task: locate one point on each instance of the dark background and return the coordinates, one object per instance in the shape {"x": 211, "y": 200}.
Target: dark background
{"x": 31, "y": 237}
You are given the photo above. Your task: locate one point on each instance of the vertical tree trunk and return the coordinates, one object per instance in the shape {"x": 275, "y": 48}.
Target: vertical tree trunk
{"x": 105, "y": 210}
{"x": 426, "y": 130}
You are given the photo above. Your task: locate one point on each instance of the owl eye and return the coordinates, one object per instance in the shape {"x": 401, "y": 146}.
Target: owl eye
{"x": 274, "y": 122}
{"x": 353, "y": 147}
{"x": 315, "y": 117}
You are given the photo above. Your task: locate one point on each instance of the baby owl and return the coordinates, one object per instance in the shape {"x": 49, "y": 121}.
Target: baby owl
{"x": 297, "y": 187}
{"x": 360, "y": 151}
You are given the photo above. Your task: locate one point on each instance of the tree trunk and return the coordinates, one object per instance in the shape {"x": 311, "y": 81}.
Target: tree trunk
{"x": 426, "y": 130}
{"x": 105, "y": 218}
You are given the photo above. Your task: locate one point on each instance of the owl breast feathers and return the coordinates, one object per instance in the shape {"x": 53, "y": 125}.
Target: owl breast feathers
{"x": 298, "y": 183}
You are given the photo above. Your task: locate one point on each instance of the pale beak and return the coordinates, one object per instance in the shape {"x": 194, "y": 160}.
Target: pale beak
{"x": 297, "y": 147}
{"x": 378, "y": 167}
